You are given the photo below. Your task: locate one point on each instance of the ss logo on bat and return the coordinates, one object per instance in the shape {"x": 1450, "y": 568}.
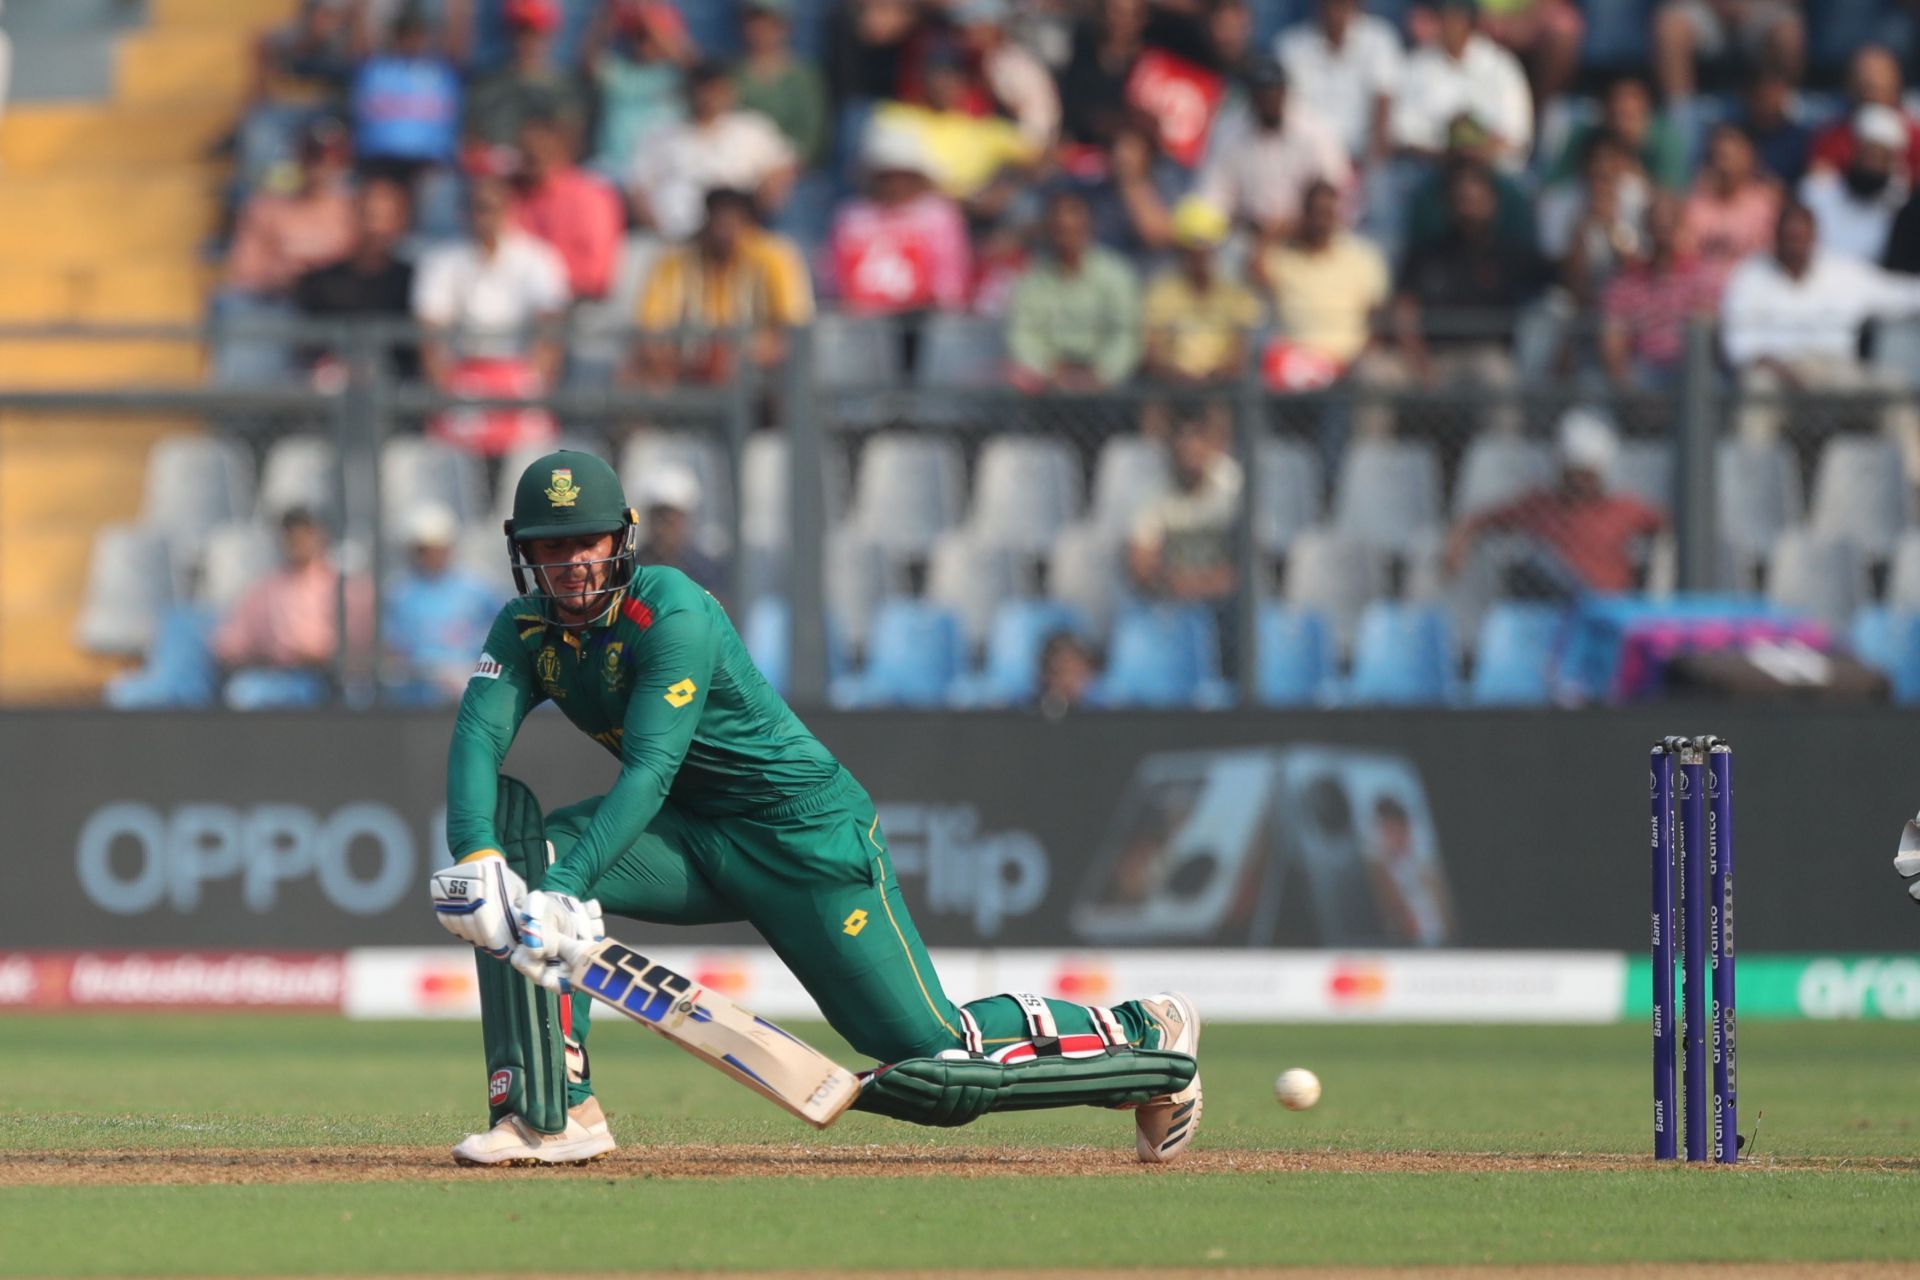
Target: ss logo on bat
{"x": 628, "y": 979}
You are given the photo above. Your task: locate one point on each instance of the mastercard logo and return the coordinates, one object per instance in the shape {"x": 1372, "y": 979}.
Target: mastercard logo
{"x": 728, "y": 980}
{"x": 1083, "y": 984}
{"x": 446, "y": 987}
{"x": 1357, "y": 984}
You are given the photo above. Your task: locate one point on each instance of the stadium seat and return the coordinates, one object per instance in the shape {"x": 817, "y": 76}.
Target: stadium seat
{"x": 1026, "y": 489}
{"x": 1335, "y": 575}
{"x": 913, "y": 655}
{"x": 704, "y": 454}
{"x": 1287, "y": 492}
{"x": 908, "y": 491}
{"x": 1162, "y": 656}
{"x": 1130, "y": 472}
{"x": 238, "y": 554}
{"x": 1404, "y": 656}
{"x": 1294, "y": 655}
{"x": 857, "y": 575}
{"x": 302, "y": 472}
{"x": 129, "y": 584}
{"x": 972, "y": 578}
{"x": 1644, "y": 470}
{"x": 179, "y": 671}
{"x": 856, "y": 363}
{"x": 767, "y": 631}
{"x": 1861, "y": 494}
{"x": 415, "y": 470}
{"x": 482, "y": 551}
{"x": 961, "y": 351}
{"x": 270, "y": 689}
{"x": 1010, "y": 672}
{"x": 1497, "y": 469}
{"x": 1757, "y": 494}
{"x": 1085, "y": 569}
{"x": 1889, "y": 639}
{"x": 1903, "y": 579}
{"x": 1388, "y": 493}
{"x": 192, "y": 484}
{"x": 766, "y": 488}
{"x": 1515, "y": 655}
{"x": 1820, "y": 576}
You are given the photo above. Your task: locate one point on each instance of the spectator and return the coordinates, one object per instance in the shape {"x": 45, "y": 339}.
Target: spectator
{"x": 280, "y": 236}
{"x": 532, "y": 83}
{"x": 634, "y": 53}
{"x": 1903, "y": 239}
{"x": 867, "y": 42}
{"x": 372, "y": 280}
{"x": 969, "y": 155}
{"x": 1464, "y": 93}
{"x": 1181, "y": 546}
{"x": 1733, "y": 208}
{"x": 436, "y": 614}
{"x": 1545, "y": 35}
{"x": 1854, "y": 207}
{"x": 495, "y": 299}
{"x": 1328, "y": 284}
{"x": 1019, "y": 83}
{"x": 1627, "y": 115}
{"x": 1587, "y": 539}
{"x": 1764, "y": 33}
{"x": 670, "y": 499}
{"x": 1348, "y": 64}
{"x": 1873, "y": 80}
{"x": 1590, "y": 229}
{"x": 1069, "y": 675}
{"x": 901, "y": 248}
{"x": 1429, "y": 210}
{"x": 787, "y": 91}
{"x": 290, "y": 619}
{"x": 1790, "y": 321}
{"x": 1646, "y": 308}
{"x": 1456, "y": 306}
{"x": 576, "y": 212}
{"x": 1196, "y": 323}
{"x": 300, "y": 70}
{"x": 1779, "y": 139}
{"x": 1264, "y": 158}
{"x": 405, "y": 104}
{"x": 731, "y": 276}
{"x": 1093, "y": 86}
{"x": 1074, "y": 321}
{"x": 717, "y": 146}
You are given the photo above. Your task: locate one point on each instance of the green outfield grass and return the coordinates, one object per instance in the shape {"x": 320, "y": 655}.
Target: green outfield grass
{"x": 112, "y": 1085}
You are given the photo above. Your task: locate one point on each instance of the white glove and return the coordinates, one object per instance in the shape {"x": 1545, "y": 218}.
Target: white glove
{"x": 1907, "y": 862}
{"x": 476, "y": 901}
{"x": 554, "y": 929}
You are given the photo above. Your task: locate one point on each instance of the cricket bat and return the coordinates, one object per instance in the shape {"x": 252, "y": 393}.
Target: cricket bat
{"x": 784, "y": 1069}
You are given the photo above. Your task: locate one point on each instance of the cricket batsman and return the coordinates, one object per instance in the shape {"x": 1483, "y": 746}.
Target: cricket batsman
{"x": 725, "y": 808}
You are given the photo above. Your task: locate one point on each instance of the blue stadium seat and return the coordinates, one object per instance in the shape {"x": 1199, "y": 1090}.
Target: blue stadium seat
{"x": 1515, "y": 655}
{"x": 1009, "y": 673}
{"x": 913, "y": 655}
{"x": 1162, "y": 656}
{"x": 767, "y": 631}
{"x": 1889, "y": 639}
{"x": 1404, "y": 656}
{"x": 1294, "y": 653}
{"x": 271, "y": 689}
{"x": 1618, "y": 34}
{"x": 179, "y": 670}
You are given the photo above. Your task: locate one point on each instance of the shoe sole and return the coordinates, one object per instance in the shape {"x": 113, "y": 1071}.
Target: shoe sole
{"x": 528, "y": 1162}
{"x": 1186, "y": 1104}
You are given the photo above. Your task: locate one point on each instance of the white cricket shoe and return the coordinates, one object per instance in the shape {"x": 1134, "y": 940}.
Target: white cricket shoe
{"x": 513, "y": 1142}
{"x": 1164, "y": 1126}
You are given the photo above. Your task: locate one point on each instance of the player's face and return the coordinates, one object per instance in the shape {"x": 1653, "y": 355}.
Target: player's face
{"x": 574, "y": 573}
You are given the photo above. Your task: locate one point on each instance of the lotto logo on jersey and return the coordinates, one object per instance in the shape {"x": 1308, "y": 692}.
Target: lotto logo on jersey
{"x": 488, "y": 668}
{"x": 498, "y": 1086}
{"x": 679, "y": 695}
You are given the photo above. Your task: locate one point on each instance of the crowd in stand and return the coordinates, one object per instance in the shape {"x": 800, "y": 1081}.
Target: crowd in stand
{"x": 1160, "y": 193}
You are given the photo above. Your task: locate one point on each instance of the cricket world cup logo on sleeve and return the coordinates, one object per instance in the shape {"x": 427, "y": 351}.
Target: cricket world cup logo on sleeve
{"x": 499, "y": 1084}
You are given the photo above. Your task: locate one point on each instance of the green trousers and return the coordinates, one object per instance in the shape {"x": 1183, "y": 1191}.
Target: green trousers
{"x": 813, "y": 877}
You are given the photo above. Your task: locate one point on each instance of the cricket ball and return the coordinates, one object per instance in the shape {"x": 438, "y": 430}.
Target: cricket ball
{"x": 1297, "y": 1089}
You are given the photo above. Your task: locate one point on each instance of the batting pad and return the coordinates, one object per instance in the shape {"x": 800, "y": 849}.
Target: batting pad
{"x": 956, "y": 1091}
{"x": 522, "y": 1024}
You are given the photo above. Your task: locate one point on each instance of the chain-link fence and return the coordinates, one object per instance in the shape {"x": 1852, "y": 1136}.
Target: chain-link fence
{"x": 893, "y": 520}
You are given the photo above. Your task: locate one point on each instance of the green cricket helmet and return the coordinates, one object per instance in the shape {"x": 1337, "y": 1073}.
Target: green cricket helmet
{"x": 569, "y": 494}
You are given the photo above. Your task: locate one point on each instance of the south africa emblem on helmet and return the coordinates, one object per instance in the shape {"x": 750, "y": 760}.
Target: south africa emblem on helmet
{"x": 562, "y": 492}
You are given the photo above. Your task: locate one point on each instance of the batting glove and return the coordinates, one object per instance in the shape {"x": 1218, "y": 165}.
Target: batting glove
{"x": 554, "y": 929}
{"x": 1907, "y": 861}
{"x": 475, "y": 899}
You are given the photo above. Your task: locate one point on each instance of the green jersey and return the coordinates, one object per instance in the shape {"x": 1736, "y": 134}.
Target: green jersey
{"x": 665, "y": 685}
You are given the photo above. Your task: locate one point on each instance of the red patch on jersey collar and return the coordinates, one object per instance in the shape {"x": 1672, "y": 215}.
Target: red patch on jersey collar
{"x": 637, "y": 613}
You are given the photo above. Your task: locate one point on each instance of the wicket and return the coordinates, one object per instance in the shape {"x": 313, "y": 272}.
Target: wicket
{"x": 1692, "y": 835}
